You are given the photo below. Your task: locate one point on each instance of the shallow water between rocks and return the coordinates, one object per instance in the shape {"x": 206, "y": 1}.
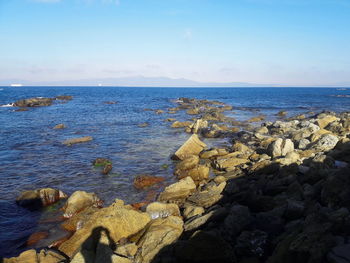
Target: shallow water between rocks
{"x": 32, "y": 154}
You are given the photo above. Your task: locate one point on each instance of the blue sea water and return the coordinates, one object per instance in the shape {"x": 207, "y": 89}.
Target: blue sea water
{"x": 32, "y": 155}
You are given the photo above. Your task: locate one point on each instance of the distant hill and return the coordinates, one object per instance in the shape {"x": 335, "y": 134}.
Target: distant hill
{"x": 141, "y": 81}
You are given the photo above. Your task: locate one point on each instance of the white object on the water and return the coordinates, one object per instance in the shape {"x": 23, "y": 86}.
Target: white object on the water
{"x": 7, "y": 105}
{"x": 16, "y": 85}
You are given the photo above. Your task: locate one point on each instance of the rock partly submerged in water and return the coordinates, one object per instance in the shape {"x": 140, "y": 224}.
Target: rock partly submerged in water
{"x": 143, "y": 181}
{"x": 80, "y": 200}
{"x": 59, "y": 126}
{"x": 72, "y": 141}
{"x": 35, "y": 199}
{"x": 34, "y": 102}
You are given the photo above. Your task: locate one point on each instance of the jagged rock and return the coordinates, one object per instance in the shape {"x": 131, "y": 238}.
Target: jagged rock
{"x": 207, "y": 197}
{"x": 323, "y": 122}
{"x": 196, "y": 222}
{"x": 280, "y": 147}
{"x": 178, "y": 191}
{"x": 193, "y": 146}
{"x": 127, "y": 250}
{"x": 161, "y": 210}
{"x": 197, "y": 126}
{"x": 229, "y": 162}
{"x": 69, "y": 142}
{"x": 213, "y": 153}
{"x": 158, "y": 234}
{"x": 240, "y": 147}
{"x": 80, "y": 200}
{"x": 190, "y": 162}
{"x": 303, "y": 144}
{"x": 38, "y": 198}
{"x": 326, "y": 143}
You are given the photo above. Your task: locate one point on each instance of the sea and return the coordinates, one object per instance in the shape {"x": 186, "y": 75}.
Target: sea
{"x": 32, "y": 155}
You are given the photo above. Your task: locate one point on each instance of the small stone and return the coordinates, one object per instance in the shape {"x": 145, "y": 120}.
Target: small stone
{"x": 59, "y": 126}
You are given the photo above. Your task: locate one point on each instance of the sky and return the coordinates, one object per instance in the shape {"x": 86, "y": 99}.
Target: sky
{"x": 288, "y": 42}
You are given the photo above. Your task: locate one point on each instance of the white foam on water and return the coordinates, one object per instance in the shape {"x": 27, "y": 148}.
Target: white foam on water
{"x": 7, "y": 105}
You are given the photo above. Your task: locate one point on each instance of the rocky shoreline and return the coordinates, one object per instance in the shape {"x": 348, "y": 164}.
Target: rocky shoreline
{"x": 279, "y": 193}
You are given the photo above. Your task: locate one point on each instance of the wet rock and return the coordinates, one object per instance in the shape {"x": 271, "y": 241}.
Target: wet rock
{"x": 110, "y": 102}
{"x": 35, "y": 199}
{"x": 64, "y": 97}
{"x": 77, "y": 221}
{"x": 178, "y": 124}
{"x": 22, "y": 109}
{"x": 326, "y": 143}
{"x": 34, "y": 102}
{"x": 204, "y": 246}
{"x": 143, "y": 181}
{"x": 162, "y": 210}
{"x": 118, "y": 221}
{"x": 170, "y": 119}
{"x": 101, "y": 162}
{"x": 59, "y": 126}
{"x": 257, "y": 118}
{"x": 193, "y": 111}
{"x": 80, "y": 200}
{"x": 280, "y": 147}
{"x": 159, "y": 233}
{"x": 193, "y": 146}
{"x": 197, "y": 126}
{"x": 179, "y": 191}
{"x": 159, "y": 111}
{"x": 36, "y": 237}
{"x": 72, "y": 141}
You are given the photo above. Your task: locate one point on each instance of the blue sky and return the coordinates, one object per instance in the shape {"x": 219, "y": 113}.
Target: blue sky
{"x": 292, "y": 42}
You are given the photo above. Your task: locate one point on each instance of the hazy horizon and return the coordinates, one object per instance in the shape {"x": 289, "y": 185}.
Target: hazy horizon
{"x": 261, "y": 42}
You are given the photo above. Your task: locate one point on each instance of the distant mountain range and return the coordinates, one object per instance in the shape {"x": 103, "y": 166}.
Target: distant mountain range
{"x": 141, "y": 81}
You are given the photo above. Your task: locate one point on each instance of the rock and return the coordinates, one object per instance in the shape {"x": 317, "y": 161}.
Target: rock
{"x": 193, "y": 146}
{"x": 110, "y": 102}
{"x": 127, "y": 250}
{"x": 282, "y": 113}
{"x": 178, "y": 191}
{"x": 80, "y": 200}
{"x": 34, "y": 102}
{"x": 204, "y": 246}
{"x": 317, "y": 135}
{"x": 323, "y": 122}
{"x": 303, "y": 144}
{"x": 193, "y": 111}
{"x": 262, "y": 130}
{"x": 207, "y": 197}
{"x": 158, "y": 234}
{"x": 239, "y": 217}
{"x": 213, "y": 153}
{"x": 118, "y": 221}
{"x": 280, "y": 147}
{"x": 240, "y": 147}
{"x": 69, "y": 142}
{"x": 189, "y": 163}
{"x": 170, "y": 119}
{"x": 21, "y": 109}
{"x": 228, "y": 162}
{"x": 59, "y": 126}
{"x": 64, "y": 97}
{"x": 326, "y": 143}
{"x": 198, "y": 174}
{"x": 161, "y": 210}
{"x": 257, "y": 118}
{"x": 191, "y": 211}
{"x": 197, "y": 222}
{"x": 291, "y": 157}
{"x": 107, "y": 168}
{"x": 101, "y": 162}
{"x": 75, "y": 222}
{"x": 178, "y": 124}
{"x": 143, "y": 181}
{"x": 159, "y": 111}
{"x": 198, "y": 125}
{"x": 35, "y": 199}
{"x": 252, "y": 243}
{"x": 50, "y": 256}
{"x": 339, "y": 254}
{"x": 143, "y": 125}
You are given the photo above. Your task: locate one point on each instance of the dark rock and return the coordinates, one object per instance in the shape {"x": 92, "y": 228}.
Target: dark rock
{"x": 252, "y": 243}
{"x": 35, "y": 199}
{"x": 34, "y": 102}
{"x": 64, "y": 97}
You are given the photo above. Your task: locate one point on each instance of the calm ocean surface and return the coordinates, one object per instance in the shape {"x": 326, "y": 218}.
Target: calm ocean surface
{"x": 32, "y": 155}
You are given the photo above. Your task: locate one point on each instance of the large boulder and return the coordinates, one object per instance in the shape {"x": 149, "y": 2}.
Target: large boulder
{"x": 118, "y": 221}
{"x": 34, "y": 102}
{"x": 193, "y": 146}
{"x": 80, "y": 200}
{"x": 158, "y": 209}
{"x": 38, "y": 198}
{"x": 179, "y": 191}
{"x": 324, "y": 121}
{"x": 158, "y": 234}
{"x": 280, "y": 147}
